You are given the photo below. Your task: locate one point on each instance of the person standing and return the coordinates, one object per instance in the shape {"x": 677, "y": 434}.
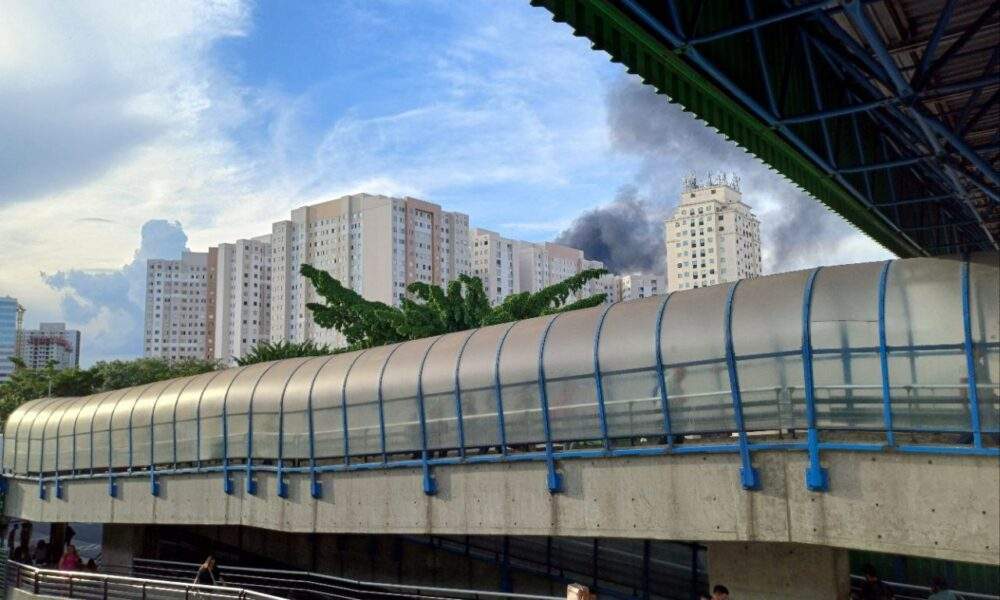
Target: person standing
{"x": 208, "y": 573}
{"x": 940, "y": 591}
{"x": 70, "y": 560}
{"x": 873, "y": 588}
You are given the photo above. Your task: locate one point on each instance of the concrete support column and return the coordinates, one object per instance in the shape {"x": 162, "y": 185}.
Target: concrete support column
{"x": 779, "y": 571}
{"x": 119, "y": 545}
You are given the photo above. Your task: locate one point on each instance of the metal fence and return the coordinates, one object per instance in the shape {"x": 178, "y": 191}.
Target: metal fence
{"x": 884, "y": 349}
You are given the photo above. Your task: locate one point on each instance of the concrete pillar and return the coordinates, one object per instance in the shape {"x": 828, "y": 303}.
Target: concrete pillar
{"x": 119, "y": 545}
{"x": 778, "y": 571}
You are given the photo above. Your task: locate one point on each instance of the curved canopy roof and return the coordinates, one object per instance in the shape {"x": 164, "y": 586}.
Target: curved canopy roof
{"x": 667, "y": 365}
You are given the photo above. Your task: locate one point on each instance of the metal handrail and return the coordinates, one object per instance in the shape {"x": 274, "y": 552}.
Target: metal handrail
{"x": 64, "y": 581}
{"x": 407, "y": 590}
{"x": 925, "y": 591}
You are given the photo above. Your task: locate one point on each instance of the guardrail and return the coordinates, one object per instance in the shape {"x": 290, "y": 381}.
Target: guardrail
{"x": 319, "y": 586}
{"x": 99, "y": 586}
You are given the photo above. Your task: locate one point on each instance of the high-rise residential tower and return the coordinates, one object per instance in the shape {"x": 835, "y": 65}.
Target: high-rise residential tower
{"x": 545, "y": 263}
{"x": 242, "y": 317}
{"x": 11, "y": 319}
{"x": 375, "y": 245}
{"x": 712, "y": 236}
{"x": 495, "y": 262}
{"x": 51, "y": 342}
{"x": 178, "y": 304}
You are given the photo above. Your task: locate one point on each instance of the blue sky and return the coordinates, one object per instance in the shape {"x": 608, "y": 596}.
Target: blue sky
{"x": 131, "y": 134}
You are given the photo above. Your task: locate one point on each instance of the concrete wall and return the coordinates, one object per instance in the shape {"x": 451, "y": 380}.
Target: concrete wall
{"x": 942, "y": 506}
{"x": 780, "y": 571}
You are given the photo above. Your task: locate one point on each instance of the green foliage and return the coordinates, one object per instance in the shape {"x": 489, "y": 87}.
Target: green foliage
{"x": 28, "y": 384}
{"x": 267, "y": 351}
{"x": 433, "y": 310}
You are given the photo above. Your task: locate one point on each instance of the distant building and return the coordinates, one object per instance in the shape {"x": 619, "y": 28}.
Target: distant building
{"x": 11, "y": 322}
{"x": 543, "y": 264}
{"x": 495, "y": 262}
{"x": 242, "y": 316}
{"x": 712, "y": 236}
{"x": 179, "y": 300}
{"x": 51, "y": 342}
{"x": 635, "y": 286}
{"x": 375, "y": 245}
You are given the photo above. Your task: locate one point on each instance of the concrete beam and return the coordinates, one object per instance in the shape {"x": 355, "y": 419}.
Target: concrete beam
{"x": 941, "y": 506}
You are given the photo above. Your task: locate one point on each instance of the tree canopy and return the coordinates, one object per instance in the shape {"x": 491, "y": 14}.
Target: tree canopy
{"x": 268, "y": 351}
{"x": 433, "y": 310}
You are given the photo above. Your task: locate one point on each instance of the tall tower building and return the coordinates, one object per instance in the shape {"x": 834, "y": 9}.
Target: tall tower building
{"x": 11, "y": 319}
{"x": 712, "y": 236}
{"x": 495, "y": 262}
{"x": 242, "y": 314}
{"x": 177, "y": 307}
{"x": 51, "y": 342}
{"x": 375, "y": 245}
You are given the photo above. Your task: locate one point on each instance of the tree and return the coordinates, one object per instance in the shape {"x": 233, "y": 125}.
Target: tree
{"x": 268, "y": 351}
{"x": 434, "y": 311}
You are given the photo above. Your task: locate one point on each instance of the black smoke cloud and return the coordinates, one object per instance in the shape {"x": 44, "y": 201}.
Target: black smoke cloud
{"x": 627, "y": 234}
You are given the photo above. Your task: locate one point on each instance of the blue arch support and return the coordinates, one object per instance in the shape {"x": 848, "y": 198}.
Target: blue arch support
{"x": 554, "y": 478}
{"x": 598, "y": 381}
{"x": 154, "y": 483}
{"x": 381, "y": 403}
{"x": 251, "y": 483}
{"x": 501, "y": 425}
{"x": 315, "y": 485}
{"x": 660, "y": 376}
{"x": 883, "y": 357}
{"x": 460, "y": 425}
{"x": 749, "y": 477}
{"x": 343, "y": 410}
{"x": 970, "y": 359}
{"x": 227, "y": 483}
{"x": 282, "y": 485}
{"x": 430, "y": 484}
{"x": 816, "y": 475}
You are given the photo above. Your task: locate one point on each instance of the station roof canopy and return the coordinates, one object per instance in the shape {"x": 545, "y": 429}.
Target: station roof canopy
{"x": 885, "y": 110}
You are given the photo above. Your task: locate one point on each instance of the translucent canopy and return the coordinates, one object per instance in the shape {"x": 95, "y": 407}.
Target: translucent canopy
{"x": 657, "y": 366}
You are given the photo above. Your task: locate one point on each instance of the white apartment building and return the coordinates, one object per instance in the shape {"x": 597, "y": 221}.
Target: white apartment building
{"x": 636, "y": 285}
{"x": 51, "y": 342}
{"x": 180, "y": 296}
{"x": 712, "y": 236}
{"x": 376, "y": 245}
{"x": 242, "y": 297}
{"x": 495, "y": 262}
{"x": 545, "y": 263}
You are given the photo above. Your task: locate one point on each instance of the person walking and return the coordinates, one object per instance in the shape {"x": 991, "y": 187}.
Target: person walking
{"x": 940, "y": 591}
{"x": 873, "y": 588}
{"x": 70, "y": 560}
{"x": 208, "y": 573}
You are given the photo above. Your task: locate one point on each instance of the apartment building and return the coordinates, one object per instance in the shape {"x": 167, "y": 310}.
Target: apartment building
{"x": 242, "y": 317}
{"x": 51, "y": 342}
{"x": 495, "y": 262}
{"x": 637, "y": 285}
{"x": 375, "y": 245}
{"x": 178, "y": 305}
{"x": 712, "y": 236}
{"x": 11, "y": 321}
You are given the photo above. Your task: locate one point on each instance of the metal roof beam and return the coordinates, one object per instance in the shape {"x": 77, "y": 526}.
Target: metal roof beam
{"x": 932, "y": 44}
{"x": 753, "y": 24}
{"x": 957, "y": 45}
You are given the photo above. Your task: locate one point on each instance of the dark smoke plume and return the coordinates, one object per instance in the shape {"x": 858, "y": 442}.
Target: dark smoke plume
{"x": 627, "y": 235}
{"x": 796, "y": 230}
